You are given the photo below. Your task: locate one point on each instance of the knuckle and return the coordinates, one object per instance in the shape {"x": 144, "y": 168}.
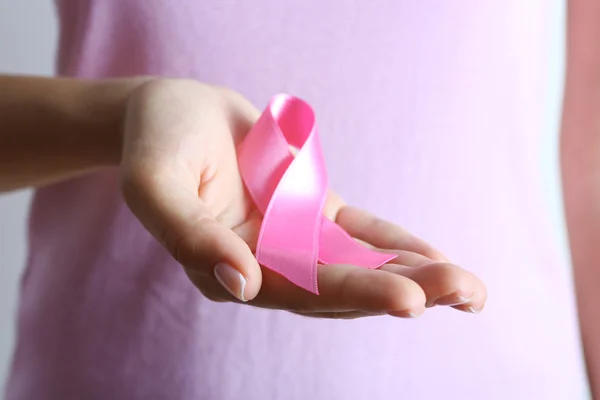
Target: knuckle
{"x": 195, "y": 244}
{"x": 179, "y": 246}
{"x": 445, "y": 272}
{"x": 449, "y": 277}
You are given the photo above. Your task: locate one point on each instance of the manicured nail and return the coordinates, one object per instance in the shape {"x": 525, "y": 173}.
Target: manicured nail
{"x": 452, "y": 300}
{"x": 231, "y": 279}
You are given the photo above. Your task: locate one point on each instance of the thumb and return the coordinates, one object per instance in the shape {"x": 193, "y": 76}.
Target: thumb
{"x": 182, "y": 222}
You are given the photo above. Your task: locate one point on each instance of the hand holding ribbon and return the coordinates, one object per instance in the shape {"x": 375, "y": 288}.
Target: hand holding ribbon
{"x": 290, "y": 192}
{"x": 181, "y": 178}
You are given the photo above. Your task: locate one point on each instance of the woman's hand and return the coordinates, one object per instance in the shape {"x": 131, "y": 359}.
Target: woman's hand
{"x": 180, "y": 178}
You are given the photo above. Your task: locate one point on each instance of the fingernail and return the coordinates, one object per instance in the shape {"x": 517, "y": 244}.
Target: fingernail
{"x": 472, "y": 310}
{"x": 231, "y": 279}
{"x": 451, "y": 300}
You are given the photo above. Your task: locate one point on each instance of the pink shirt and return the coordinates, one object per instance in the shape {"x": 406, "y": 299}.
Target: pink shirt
{"x": 446, "y": 100}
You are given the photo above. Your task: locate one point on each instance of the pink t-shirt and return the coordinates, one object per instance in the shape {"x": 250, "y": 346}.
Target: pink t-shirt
{"x": 444, "y": 99}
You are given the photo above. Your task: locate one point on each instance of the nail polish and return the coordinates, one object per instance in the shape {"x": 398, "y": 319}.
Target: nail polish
{"x": 231, "y": 279}
{"x": 452, "y": 300}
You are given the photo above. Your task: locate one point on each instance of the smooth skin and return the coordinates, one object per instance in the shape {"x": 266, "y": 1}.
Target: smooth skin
{"x": 174, "y": 142}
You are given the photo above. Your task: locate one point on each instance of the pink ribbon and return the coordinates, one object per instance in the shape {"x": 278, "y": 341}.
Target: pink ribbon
{"x": 290, "y": 191}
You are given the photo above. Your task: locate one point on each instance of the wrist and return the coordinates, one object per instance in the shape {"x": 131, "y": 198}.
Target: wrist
{"x": 100, "y": 110}
{"x": 57, "y": 128}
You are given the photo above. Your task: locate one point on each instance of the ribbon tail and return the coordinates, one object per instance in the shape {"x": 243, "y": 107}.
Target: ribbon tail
{"x": 336, "y": 246}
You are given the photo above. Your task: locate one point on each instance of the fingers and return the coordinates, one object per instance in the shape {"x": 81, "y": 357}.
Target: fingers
{"x": 383, "y": 234}
{"x": 445, "y": 285}
{"x": 177, "y": 217}
{"x": 409, "y": 259}
{"x": 403, "y": 257}
{"x": 347, "y": 292}
{"x": 344, "y": 288}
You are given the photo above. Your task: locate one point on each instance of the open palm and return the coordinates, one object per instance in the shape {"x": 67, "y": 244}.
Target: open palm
{"x": 180, "y": 178}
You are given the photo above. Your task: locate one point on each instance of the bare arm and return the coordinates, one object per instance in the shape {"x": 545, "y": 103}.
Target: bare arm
{"x": 55, "y": 128}
{"x": 580, "y": 161}
{"x": 174, "y": 142}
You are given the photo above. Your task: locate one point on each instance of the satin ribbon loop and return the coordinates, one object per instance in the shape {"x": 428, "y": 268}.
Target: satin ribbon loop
{"x": 290, "y": 191}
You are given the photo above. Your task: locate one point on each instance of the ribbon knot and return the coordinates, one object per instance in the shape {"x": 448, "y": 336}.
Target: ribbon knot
{"x": 290, "y": 191}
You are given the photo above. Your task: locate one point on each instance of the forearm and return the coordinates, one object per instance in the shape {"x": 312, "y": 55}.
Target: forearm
{"x": 580, "y": 161}
{"x": 55, "y": 128}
